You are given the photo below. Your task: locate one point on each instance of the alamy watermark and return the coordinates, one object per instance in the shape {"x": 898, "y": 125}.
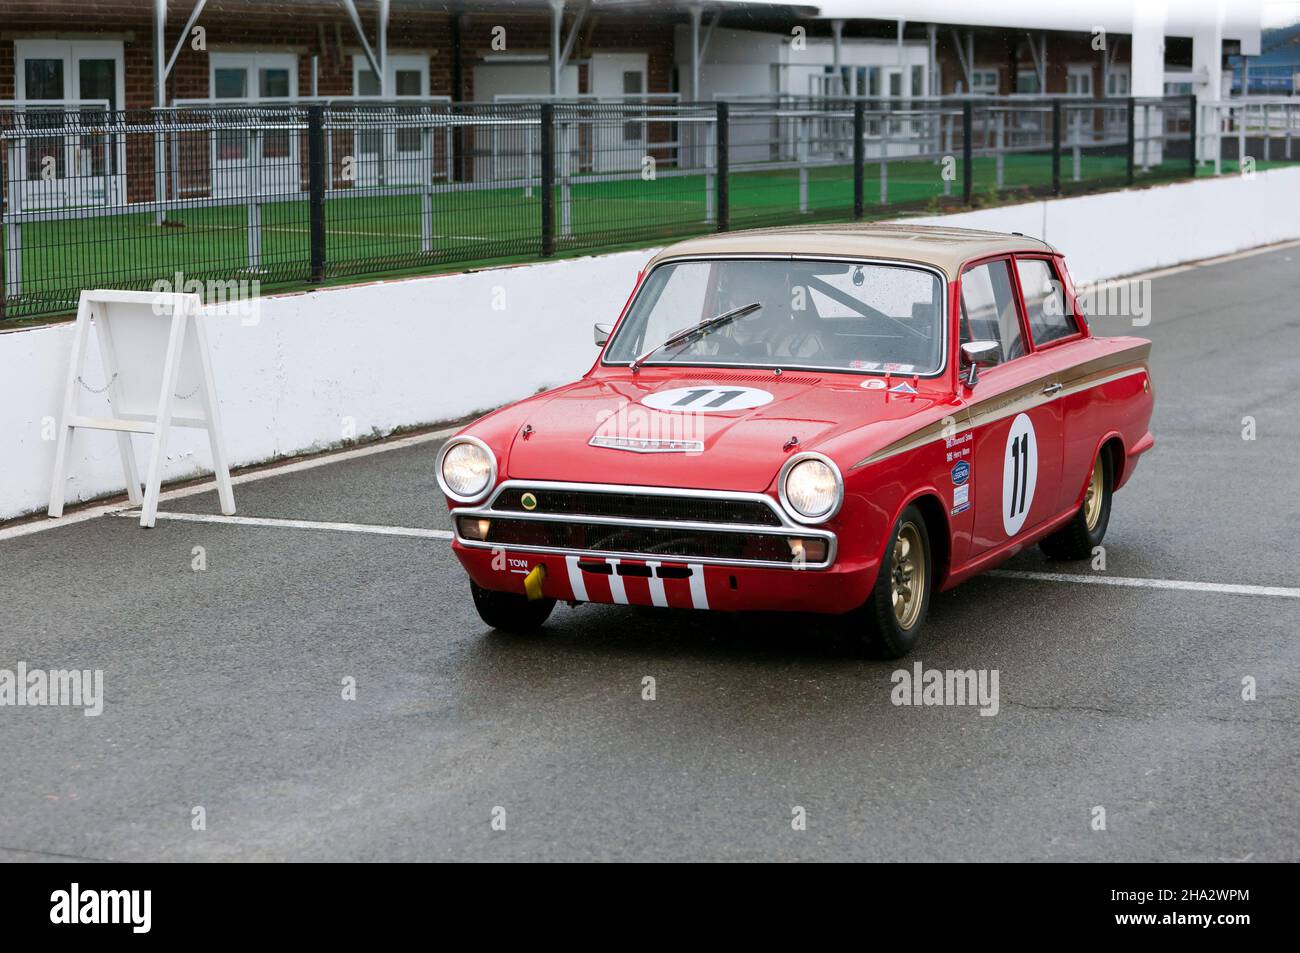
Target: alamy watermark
{"x": 1119, "y": 298}
{"x": 927, "y": 687}
{"x": 69, "y": 688}
{"x": 235, "y": 297}
{"x": 128, "y": 907}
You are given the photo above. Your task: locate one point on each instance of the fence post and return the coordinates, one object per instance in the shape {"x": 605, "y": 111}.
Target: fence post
{"x": 967, "y": 183}
{"x": 1191, "y": 160}
{"x": 4, "y": 256}
{"x": 1130, "y": 112}
{"x": 11, "y": 234}
{"x": 859, "y": 155}
{"x": 1056, "y": 147}
{"x": 724, "y": 141}
{"x": 548, "y": 179}
{"x": 316, "y": 189}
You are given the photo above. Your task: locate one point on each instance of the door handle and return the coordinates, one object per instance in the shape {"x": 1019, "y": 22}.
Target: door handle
{"x": 1051, "y": 388}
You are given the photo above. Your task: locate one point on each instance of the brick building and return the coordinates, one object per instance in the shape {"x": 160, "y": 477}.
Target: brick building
{"x": 214, "y": 52}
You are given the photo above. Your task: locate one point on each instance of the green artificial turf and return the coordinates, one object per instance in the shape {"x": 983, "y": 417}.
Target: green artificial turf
{"x": 382, "y": 235}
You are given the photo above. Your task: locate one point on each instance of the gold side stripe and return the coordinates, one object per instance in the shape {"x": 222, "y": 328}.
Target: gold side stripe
{"x": 1021, "y": 400}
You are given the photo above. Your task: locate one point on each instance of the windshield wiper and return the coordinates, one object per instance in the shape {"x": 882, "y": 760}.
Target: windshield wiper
{"x": 699, "y": 330}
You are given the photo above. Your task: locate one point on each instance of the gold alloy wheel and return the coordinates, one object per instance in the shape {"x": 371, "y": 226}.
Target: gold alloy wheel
{"x": 907, "y": 575}
{"x": 1092, "y": 501}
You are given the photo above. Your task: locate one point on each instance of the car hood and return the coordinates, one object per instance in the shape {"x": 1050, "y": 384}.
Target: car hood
{"x": 743, "y": 447}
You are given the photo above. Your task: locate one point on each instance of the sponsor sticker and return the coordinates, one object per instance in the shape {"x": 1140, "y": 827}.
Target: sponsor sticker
{"x": 902, "y": 388}
{"x": 960, "y": 472}
{"x": 874, "y": 383}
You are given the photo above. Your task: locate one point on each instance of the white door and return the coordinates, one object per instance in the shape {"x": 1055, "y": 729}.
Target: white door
{"x": 513, "y": 147}
{"x": 246, "y": 159}
{"x": 78, "y": 165}
{"x": 1078, "y": 84}
{"x": 389, "y": 153}
{"x": 619, "y": 146}
{"x": 1117, "y": 86}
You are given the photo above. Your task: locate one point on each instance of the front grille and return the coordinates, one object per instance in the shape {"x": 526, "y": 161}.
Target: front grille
{"x": 651, "y": 541}
{"x": 678, "y": 509}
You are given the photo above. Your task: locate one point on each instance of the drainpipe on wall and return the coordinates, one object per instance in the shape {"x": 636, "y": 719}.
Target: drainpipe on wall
{"x": 159, "y": 100}
{"x": 695, "y": 13}
{"x": 557, "y": 21}
{"x": 837, "y": 32}
{"x": 932, "y": 30}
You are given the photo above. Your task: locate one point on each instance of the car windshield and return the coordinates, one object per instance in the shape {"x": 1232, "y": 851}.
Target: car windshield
{"x": 833, "y": 315}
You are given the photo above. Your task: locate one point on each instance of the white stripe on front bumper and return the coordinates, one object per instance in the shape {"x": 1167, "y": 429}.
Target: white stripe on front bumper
{"x": 657, "y": 595}
{"x": 576, "y": 582}
{"x": 616, "y": 590}
{"x": 699, "y": 597}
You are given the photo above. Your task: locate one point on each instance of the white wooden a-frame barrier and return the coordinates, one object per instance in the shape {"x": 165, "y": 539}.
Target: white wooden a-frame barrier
{"x": 157, "y": 373}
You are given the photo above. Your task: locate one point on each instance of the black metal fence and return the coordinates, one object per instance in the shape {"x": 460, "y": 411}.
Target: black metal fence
{"x": 302, "y": 193}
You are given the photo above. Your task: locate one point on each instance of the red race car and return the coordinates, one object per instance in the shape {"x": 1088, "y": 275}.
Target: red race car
{"x": 838, "y": 419}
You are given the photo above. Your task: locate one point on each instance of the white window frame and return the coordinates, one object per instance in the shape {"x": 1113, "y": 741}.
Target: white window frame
{"x": 981, "y": 88}
{"x": 1116, "y": 73}
{"x": 389, "y": 166}
{"x": 251, "y": 63}
{"x": 1080, "y": 69}
{"x": 254, "y": 173}
{"x": 72, "y": 188}
{"x": 396, "y": 61}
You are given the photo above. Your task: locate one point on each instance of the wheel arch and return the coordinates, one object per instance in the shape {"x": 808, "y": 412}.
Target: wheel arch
{"x": 1112, "y": 444}
{"x": 937, "y": 528}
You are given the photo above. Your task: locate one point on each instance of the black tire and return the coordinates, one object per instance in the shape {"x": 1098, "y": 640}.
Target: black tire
{"x": 510, "y": 612}
{"x": 877, "y": 625}
{"x": 1075, "y": 540}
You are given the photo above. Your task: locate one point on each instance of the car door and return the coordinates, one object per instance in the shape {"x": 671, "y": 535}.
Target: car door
{"x": 1014, "y": 458}
{"x": 1057, "y": 335}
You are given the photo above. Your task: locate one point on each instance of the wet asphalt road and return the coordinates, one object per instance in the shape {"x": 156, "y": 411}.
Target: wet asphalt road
{"x": 223, "y": 687}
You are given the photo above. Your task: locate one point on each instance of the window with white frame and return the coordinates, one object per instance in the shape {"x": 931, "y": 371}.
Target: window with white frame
{"x": 1078, "y": 79}
{"x": 68, "y": 168}
{"x": 984, "y": 81}
{"x": 252, "y": 78}
{"x": 408, "y": 76}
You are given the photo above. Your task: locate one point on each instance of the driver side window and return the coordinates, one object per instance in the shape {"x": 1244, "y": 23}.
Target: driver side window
{"x": 988, "y": 308}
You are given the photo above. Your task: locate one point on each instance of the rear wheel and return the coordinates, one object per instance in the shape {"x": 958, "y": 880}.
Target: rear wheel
{"x": 1077, "y": 538}
{"x": 890, "y": 622}
{"x": 509, "y": 611}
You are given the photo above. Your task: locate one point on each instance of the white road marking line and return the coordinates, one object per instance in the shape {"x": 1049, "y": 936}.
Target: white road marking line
{"x": 372, "y": 528}
{"x": 80, "y": 516}
{"x": 1181, "y": 584}
{"x": 297, "y": 466}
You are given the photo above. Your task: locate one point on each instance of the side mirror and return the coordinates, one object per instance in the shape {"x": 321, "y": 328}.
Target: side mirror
{"x": 600, "y": 333}
{"x": 977, "y": 354}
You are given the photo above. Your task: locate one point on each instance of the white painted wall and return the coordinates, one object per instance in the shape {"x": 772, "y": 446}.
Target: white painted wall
{"x": 421, "y": 350}
{"x": 386, "y": 355}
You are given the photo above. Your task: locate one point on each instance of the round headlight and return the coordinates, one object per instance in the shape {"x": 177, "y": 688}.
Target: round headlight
{"x": 811, "y": 488}
{"x": 466, "y": 469}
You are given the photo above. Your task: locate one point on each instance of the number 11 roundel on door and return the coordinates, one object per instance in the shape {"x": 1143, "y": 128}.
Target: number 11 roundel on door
{"x": 1019, "y": 474}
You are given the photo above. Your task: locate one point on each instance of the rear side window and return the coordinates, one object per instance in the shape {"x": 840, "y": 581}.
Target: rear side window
{"x": 1045, "y": 307}
{"x": 988, "y": 308}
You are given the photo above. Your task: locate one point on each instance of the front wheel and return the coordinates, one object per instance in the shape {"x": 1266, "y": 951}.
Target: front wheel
{"x": 510, "y": 612}
{"x": 890, "y": 622}
{"x": 1077, "y": 538}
